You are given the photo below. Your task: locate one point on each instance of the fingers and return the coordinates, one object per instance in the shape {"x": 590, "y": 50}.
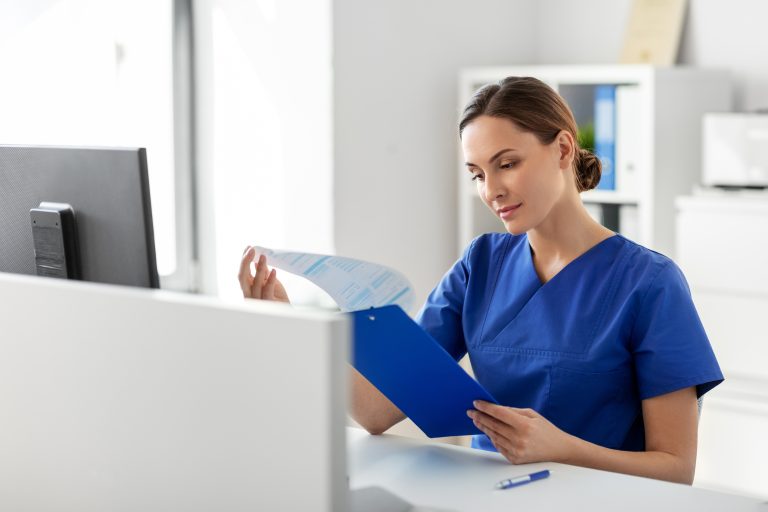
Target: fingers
{"x": 280, "y": 293}
{"x": 268, "y": 292}
{"x": 503, "y": 444}
{"x": 260, "y": 278}
{"x": 509, "y": 415}
{"x": 244, "y": 276}
{"x": 264, "y": 284}
{"x": 486, "y": 421}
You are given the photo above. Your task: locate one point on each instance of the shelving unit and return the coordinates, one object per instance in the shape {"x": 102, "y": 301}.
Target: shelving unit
{"x": 666, "y": 146}
{"x": 722, "y": 249}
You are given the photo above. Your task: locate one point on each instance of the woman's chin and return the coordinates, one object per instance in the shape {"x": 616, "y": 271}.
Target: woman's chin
{"x": 515, "y": 228}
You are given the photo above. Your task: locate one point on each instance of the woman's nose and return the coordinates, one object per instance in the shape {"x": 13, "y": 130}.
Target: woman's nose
{"x": 494, "y": 189}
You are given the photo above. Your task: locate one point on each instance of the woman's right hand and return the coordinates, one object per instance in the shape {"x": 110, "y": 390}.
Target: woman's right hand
{"x": 368, "y": 406}
{"x": 264, "y": 284}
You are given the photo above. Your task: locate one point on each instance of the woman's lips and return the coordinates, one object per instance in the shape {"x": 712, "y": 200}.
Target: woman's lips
{"x": 508, "y": 211}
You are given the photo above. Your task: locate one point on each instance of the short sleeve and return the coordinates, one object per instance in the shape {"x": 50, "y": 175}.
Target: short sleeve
{"x": 670, "y": 348}
{"x": 441, "y": 314}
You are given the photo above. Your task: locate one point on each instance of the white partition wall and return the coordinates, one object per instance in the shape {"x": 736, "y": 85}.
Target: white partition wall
{"x": 121, "y": 399}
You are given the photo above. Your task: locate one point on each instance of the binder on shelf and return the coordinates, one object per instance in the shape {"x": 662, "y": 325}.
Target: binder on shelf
{"x": 605, "y": 134}
{"x": 628, "y": 139}
{"x": 414, "y": 372}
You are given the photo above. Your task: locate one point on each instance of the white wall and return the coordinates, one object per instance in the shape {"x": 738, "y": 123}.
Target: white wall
{"x": 395, "y": 94}
{"x": 395, "y": 74}
{"x": 729, "y": 35}
{"x": 581, "y": 32}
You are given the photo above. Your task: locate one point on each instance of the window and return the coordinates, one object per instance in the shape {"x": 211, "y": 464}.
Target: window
{"x": 101, "y": 73}
{"x": 95, "y": 73}
{"x": 269, "y": 134}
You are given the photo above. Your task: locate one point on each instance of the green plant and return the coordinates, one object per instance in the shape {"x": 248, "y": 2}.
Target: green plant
{"x": 586, "y": 136}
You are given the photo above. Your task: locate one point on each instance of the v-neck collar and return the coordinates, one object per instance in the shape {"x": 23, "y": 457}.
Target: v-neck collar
{"x": 522, "y": 289}
{"x": 573, "y": 262}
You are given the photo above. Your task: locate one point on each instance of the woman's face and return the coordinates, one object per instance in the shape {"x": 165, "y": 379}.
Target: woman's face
{"x": 518, "y": 178}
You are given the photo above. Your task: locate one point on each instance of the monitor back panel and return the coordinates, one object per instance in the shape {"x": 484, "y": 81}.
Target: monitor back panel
{"x": 109, "y": 191}
{"x": 120, "y": 399}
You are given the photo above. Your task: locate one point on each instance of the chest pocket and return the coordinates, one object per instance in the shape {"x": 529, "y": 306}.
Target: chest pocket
{"x": 597, "y": 407}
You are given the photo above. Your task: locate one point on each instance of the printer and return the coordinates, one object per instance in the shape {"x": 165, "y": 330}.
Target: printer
{"x": 735, "y": 150}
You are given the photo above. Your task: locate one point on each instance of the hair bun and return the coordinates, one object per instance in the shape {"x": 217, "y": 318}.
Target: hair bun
{"x": 588, "y": 170}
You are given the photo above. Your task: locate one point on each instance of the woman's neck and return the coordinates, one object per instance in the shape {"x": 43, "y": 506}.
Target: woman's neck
{"x": 563, "y": 236}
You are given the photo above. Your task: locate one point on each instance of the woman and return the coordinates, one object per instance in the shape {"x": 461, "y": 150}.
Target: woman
{"x": 590, "y": 340}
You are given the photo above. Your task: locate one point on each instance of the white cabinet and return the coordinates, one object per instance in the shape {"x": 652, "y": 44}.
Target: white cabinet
{"x": 723, "y": 250}
{"x": 662, "y": 130}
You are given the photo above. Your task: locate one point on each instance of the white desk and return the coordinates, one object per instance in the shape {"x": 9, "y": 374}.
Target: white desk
{"x": 456, "y": 478}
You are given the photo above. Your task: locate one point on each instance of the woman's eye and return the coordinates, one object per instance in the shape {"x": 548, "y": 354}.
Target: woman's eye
{"x": 477, "y": 177}
{"x": 509, "y": 165}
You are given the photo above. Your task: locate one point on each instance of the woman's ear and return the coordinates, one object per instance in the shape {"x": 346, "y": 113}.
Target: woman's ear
{"x": 566, "y": 149}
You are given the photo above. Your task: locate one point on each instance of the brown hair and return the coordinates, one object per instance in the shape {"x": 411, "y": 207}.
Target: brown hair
{"x": 534, "y": 107}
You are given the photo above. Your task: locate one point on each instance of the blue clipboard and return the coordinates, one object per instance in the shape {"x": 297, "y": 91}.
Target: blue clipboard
{"x": 411, "y": 369}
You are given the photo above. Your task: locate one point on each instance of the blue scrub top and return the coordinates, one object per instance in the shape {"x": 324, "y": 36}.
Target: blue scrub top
{"x": 615, "y": 326}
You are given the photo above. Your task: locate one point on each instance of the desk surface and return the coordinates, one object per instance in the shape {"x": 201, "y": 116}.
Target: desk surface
{"x": 450, "y": 477}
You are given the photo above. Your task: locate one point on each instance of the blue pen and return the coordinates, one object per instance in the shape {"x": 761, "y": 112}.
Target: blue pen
{"x": 522, "y": 480}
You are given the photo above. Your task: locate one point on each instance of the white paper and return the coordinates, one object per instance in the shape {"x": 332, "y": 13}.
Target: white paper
{"x": 353, "y": 284}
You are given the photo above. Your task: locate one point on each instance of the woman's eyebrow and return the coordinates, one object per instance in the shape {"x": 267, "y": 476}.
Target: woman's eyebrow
{"x": 493, "y": 158}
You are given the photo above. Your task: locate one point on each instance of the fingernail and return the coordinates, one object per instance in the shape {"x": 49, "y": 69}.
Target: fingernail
{"x": 470, "y": 412}
{"x": 476, "y": 403}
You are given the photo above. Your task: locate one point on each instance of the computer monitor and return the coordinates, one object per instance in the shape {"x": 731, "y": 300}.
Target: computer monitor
{"x": 117, "y": 398}
{"x": 104, "y": 190}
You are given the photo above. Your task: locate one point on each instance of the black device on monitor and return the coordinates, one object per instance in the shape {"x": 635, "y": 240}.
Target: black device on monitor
{"x": 78, "y": 213}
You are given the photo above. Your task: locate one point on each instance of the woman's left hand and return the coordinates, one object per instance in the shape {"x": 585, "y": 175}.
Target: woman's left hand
{"x": 521, "y": 435}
